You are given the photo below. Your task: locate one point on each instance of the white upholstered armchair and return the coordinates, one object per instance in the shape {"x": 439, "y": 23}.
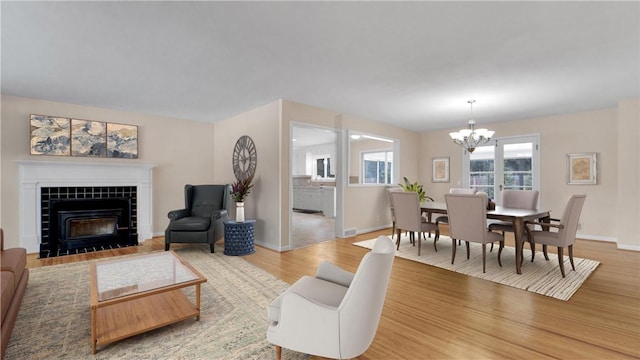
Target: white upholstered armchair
{"x": 336, "y": 313}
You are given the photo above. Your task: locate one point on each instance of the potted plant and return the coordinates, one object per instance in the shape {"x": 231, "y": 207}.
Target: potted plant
{"x": 239, "y": 191}
{"x": 415, "y": 187}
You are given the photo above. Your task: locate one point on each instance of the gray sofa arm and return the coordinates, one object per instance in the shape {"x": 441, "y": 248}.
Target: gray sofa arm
{"x": 177, "y": 214}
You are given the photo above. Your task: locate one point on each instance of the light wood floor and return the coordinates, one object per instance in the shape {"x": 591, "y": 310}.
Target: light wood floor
{"x": 308, "y": 229}
{"x": 432, "y": 313}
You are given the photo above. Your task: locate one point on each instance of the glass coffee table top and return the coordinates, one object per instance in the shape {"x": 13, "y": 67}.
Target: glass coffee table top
{"x": 140, "y": 273}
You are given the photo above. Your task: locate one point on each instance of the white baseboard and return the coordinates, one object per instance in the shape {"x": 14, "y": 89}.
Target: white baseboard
{"x": 363, "y": 231}
{"x": 629, "y": 247}
{"x": 275, "y": 248}
{"x": 609, "y": 239}
{"x": 596, "y": 237}
{"x": 376, "y": 228}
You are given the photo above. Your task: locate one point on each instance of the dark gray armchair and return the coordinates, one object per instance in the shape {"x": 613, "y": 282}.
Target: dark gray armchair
{"x": 201, "y": 221}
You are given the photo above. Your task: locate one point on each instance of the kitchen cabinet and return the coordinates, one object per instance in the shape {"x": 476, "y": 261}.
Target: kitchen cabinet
{"x": 328, "y": 198}
{"x": 315, "y": 198}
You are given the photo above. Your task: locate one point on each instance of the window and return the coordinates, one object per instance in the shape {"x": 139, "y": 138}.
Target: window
{"x": 510, "y": 163}
{"x": 518, "y": 170}
{"x": 481, "y": 170}
{"x": 377, "y": 167}
{"x": 372, "y": 159}
{"x": 323, "y": 167}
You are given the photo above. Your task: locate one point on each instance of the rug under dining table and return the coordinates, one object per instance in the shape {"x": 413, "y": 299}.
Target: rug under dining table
{"x": 541, "y": 276}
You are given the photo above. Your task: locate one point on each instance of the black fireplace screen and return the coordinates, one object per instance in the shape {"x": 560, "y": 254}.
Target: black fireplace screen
{"x": 83, "y": 228}
{"x": 89, "y": 217}
{"x": 80, "y": 227}
{"x": 81, "y": 219}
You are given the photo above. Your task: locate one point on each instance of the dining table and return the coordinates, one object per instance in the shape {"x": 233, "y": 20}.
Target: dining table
{"x": 514, "y": 215}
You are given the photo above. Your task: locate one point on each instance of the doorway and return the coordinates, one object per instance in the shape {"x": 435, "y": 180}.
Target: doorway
{"x": 510, "y": 163}
{"x": 315, "y": 175}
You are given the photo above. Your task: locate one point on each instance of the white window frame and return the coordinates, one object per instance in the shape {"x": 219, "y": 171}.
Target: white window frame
{"x": 499, "y": 165}
{"x": 314, "y": 170}
{"x": 388, "y": 158}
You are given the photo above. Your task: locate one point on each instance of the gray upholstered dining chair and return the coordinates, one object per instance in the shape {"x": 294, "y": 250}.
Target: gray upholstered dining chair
{"x": 409, "y": 218}
{"x": 444, "y": 219}
{"x": 336, "y": 313}
{"x": 565, "y": 236}
{"x": 468, "y": 222}
{"x": 518, "y": 199}
{"x": 391, "y": 207}
{"x": 201, "y": 220}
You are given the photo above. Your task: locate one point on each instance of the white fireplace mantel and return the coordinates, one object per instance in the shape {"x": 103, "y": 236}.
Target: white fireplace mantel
{"x": 35, "y": 175}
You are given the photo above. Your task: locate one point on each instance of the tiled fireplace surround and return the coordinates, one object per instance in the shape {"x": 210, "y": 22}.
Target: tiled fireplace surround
{"x": 100, "y": 196}
{"x": 78, "y": 179}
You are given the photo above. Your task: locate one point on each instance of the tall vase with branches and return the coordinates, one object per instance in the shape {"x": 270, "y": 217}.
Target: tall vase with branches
{"x": 239, "y": 191}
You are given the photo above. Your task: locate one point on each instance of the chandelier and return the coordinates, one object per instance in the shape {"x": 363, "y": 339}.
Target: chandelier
{"x": 471, "y": 138}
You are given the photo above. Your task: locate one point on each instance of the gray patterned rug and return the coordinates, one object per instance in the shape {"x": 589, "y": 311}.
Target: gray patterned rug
{"x": 55, "y": 322}
{"x": 541, "y": 276}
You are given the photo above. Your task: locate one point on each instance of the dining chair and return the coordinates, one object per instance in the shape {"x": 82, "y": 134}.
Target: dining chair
{"x": 565, "y": 236}
{"x": 444, "y": 219}
{"x": 409, "y": 218}
{"x": 468, "y": 222}
{"x": 393, "y": 213}
{"x": 518, "y": 199}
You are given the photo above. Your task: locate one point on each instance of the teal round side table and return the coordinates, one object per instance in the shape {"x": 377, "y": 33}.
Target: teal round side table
{"x": 239, "y": 237}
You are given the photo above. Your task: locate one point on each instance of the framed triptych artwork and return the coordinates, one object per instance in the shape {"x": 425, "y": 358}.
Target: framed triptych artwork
{"x": 88, "y": 138}
{"x": 50, "y": 135}
{"x": 122, "y": 141}
{"x": 61, "y": 136}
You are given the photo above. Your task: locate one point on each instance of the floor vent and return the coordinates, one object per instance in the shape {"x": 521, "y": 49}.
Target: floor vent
{"x": 350, "y": 232}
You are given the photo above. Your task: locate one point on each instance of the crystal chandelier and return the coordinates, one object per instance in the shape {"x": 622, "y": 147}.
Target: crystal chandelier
{"x": 471, "y": 138}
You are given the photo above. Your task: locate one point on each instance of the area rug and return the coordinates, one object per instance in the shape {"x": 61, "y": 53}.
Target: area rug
{"x": 541, "y": 276}
{"x": 55, "y": 322}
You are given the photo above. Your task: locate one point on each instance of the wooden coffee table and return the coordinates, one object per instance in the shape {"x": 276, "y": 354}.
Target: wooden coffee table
{"x": 139, "y": 293}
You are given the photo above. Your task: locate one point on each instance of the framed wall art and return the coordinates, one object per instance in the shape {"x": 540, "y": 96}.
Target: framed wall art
{"x": 88, "y": 138}
{"x": 54, "y": 135}
{"x": 122, "y": 141}
{"x": 582, "y": 169}
{"x": 50, "y": 135}
{"x": 440, "y": 169}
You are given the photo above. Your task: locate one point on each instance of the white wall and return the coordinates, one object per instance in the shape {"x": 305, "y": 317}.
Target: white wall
{"x": 367, "y": 207}
{"x": 628, "y": 207}
{"x": 193, "y": 152}
{"x": 299, "y": 161}
{"x": 593, "y": 131}
{"x": 181, "y": 150}
{"x": 265, "y": 200}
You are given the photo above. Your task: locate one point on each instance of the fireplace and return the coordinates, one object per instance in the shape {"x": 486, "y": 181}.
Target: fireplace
{"x": 88, "y": 223}
{"x": 41, "y": 181}
{"x": 77, "y": 228}
{"x": 85, "y": 219}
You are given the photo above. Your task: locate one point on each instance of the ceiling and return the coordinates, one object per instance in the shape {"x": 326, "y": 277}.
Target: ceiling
{"x": 303, "y": 136}
{"x": 410, "y": 64}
